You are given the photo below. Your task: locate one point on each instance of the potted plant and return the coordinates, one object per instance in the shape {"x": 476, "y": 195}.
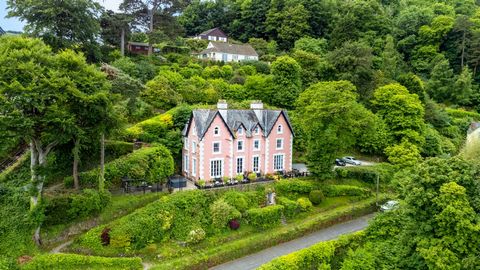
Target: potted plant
{"x": 252, "y": 176}
{"x": 201, "y": 183}
{"x": 238, "y": 178}
{"x": 226, "y": 180}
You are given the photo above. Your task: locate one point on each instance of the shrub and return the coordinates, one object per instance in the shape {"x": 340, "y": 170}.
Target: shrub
{"x": 234, "y": 224}
{"x": 196, "y": 236}
{"x": 152, "y": 164}
{"x": 151, "y": 129}
{"x": 118, "y": 148}
{"x": 237, "y": 200}
{"x": 7, "y": 263}
{"x": 201, "y": 182}
{"x": 345, "y": 190}
{"x": 75, "y": 206}
{"x": 305, "y": 204}
{"x": 252, "y": 176}
{"x": 266, "y": 217}
{"x": 74, "y": 261}
{"x": 239, "y": 177}
{"x": 317, "y": 256}
{"x": 316, "y": 197}
{"x": 293, "y": 188}
{"x": 291, "y": 208}
{"x": 222, "y": 213}
{"x": 105, "y": 236}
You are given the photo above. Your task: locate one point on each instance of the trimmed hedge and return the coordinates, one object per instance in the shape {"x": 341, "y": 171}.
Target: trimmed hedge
{"x": 152, "y": 164}
{"x": 266, "y": 217}
{"x": 345, "y": 190}
{"x": 316, "y": 196}
{"x": 75, "y": 206}
{"x": 151, "y": 129}
{"x": 173, "y": 216}
{"x": 318, "y": 256}
{"x": 293, "y": 188}
{"x": 290, "y": 208}
{"x": 367, "y": 174}
{"x": 74, "y": 261}
{"x": 461, "y": 113}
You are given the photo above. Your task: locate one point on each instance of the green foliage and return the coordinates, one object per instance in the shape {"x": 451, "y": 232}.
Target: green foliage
{"x": 238, "y": 200}
{"x": 293, "y": 188}
{"x": 222, "y": 213}
{"x": 74, "y": 261}
{"x": 76, "y": 206}
{"x": 344, "y": 190}
{"x": 152, "y": 164}
{"x": 367, "y": 174}
{"x": 263, "y": 218}
{"x": 150, "y": 130}
{"x": 304, "y": 204}
{"x": 162, "y": 91}
{"x": 290, "y": 208}
{"x": 287, "y": 82}
{"x": 404, "y": 154}
{"x": 196, "y": 236}
{"x": 316, "y": 46}
{"x": 317, "y": 256}
{"x": 316, "y": 197}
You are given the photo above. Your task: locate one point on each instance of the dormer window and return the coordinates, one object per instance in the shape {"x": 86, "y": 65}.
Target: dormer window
{"x": 280, "y": 129}
{"x": 216, "y": 131}
{"x": 240, "y": 131}
{"x": 257, "y": 130}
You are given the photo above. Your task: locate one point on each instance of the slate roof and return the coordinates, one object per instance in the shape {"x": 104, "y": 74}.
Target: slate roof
{"x": 235, "y": 118}
{"x": 224, "y": 47}
{"x": 206, "y": 32}
{"x": 2, "y": 32}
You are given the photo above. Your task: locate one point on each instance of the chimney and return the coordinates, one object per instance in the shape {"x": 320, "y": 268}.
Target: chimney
{"x": 222, "y": 107}
{"x": 257, "y": 107}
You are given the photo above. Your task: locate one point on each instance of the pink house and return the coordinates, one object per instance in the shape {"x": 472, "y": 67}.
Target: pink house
{"x": 225, "y": 142}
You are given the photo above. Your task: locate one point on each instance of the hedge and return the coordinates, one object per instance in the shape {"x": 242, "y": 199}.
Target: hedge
{"x": 151, "y": 129}
{"x": 74, "y": 261}
{"x": 345, "y": 190}
{"x": 75, "y": 206}
{"x": 173, "y": 216}
{"x": 367, "y": 174}
{"x": 461, "y": 113}
{"x": 293, "y": 188}
{"x": 318, "y": 256}
{"x": 118, "y": 148}
{"x": 151, "y": 164}
{"x": 266, "y": 217}
{"x": 290, "y": 208}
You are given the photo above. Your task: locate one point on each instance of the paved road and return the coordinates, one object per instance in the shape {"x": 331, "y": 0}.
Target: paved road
{"x": 255, "y": 260}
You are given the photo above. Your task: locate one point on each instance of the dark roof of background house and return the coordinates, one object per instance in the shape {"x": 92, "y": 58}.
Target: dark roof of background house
{"x": 2, "y": 32}
{"x": 224, "y": 47}
{"x": 216, "y": 29}
{"x": 138, "y": 43}
{"x": 236, "y": 118}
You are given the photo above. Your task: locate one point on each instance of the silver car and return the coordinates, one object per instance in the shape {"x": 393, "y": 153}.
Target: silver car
{"x": 389, "y": 206}
{"x": 352, "y": 160}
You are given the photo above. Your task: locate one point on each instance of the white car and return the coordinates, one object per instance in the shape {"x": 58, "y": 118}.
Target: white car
{"x": 389, "y": 206}
{"x": 352, "y": 160}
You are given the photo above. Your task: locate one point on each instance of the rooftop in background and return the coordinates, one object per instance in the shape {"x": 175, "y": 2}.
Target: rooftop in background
{"x": 2, "y": 32}
{"x": 223, "y": 47}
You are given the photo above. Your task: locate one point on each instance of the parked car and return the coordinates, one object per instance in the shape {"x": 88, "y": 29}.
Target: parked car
{"x": 351, "y": 160}
{"x": 389, "y": 206}
{"x": 340, "y": 162}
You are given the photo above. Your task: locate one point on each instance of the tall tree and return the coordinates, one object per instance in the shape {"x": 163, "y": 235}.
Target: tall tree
{"x": 286, "y": 80}
{"x": 441, "y": 80}
{"x": 115, "y": 29}
{"x": 60, "y": 23}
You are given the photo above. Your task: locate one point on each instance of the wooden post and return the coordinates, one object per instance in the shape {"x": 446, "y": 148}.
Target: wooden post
{"x": 122, "y": 42}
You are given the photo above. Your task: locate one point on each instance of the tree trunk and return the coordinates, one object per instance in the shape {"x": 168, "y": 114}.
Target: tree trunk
{"x": 122, "y": 42}
{"x": 38, "y": 158}
{"x": 76, "y": 159}
{"x": 101, "y": 181}
{"x": 150, "y": 47}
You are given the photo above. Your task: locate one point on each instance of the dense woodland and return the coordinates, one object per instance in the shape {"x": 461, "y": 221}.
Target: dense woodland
{"x": 395, "y": 81}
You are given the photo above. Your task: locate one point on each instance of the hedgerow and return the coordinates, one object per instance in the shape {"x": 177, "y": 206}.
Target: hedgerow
{"x": 266, "y": 217}
{"x": 293, "y": 188}
{"x": 345, "y": 190}
{"x": 151, "y": 164}
{"x": 75, "y": 261}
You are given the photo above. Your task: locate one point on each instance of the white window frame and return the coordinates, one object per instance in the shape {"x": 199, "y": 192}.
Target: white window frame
{"x": 280, "y": 129}
{"x": 216, "y": 131}
{"x": 243, "y": 145}
{"x": 257, "y": 130}
{"x": 258, "y": 163}
{"x": 240, "y": 167}
{"x": 185, "y": 144}
{"x": 194, "y": 146}
{"x": 194, "y": 167}
{"x": 219, "y": 147}
{"x": 276, "y": 162}
{"x": 212, "y": 175}
{"x": 240, "y": 130}
{"x": 276, "y": 144}
{"x": 185, "y": 164}
{"x": 256, "y": 148}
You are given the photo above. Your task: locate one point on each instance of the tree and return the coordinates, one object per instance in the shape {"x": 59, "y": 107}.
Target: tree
{"x": 331, "y": 121}
{"x": 462, "y": 90}
{"x": 390, "y": 59}
{"x": 414, "y": 85}
{"x": 441, "y": 81}
{"x": 35, "y": 104}
{"x": 61, "y": 24}
{"x": 286, "y": 81}
{"x": 402, "y": 112}
{"x": 161, "y": 92}
{"x": 115, "y": 29}
{"x": 316, "y": 46}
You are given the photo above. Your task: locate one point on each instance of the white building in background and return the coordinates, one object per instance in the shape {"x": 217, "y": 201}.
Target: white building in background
{"x": 226, "y": 52}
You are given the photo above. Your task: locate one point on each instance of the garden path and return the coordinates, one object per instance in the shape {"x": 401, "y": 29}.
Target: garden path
{"x": 255, "y": 260}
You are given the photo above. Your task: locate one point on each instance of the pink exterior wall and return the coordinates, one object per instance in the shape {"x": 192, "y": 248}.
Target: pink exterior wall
{"x": 229, "y": 152}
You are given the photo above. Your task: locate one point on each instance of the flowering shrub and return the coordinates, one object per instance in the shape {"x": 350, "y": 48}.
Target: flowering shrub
{"x": 196, "y": 236}
{"x": 105, "y": 236}
{"x": 234, "y": 224}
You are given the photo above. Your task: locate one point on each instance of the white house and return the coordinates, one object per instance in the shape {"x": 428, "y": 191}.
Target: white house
{"x": 226, "y": 52}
